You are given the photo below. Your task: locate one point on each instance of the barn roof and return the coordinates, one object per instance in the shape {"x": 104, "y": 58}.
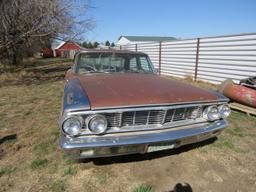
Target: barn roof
{"x": 63, "y": 43}
{"x": 147, "y": 38}
{"x": 60, "y": 45}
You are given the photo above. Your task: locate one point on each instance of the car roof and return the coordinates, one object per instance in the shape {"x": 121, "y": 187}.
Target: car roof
{"x": 111, "y": 51}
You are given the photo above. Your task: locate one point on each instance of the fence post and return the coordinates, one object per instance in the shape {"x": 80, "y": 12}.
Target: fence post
{"x": 120, "y": 47}
{"x": 160, "y": 57}
{"x": 136, "y": 47}
{"x": 197, "y": 58}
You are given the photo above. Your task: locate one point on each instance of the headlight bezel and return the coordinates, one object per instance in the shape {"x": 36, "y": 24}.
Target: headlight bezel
{"x": 78, "y": 120}
{"x": 220, "y": 108}
{"x": 89, "y": 120}
{"x": 208, "y": 110}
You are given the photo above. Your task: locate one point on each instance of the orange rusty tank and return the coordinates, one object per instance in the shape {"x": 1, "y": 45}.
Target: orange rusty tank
{"x": 238, "y": 93}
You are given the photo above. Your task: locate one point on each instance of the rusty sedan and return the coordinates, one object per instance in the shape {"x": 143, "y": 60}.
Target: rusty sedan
{"x": 114, "y": 103}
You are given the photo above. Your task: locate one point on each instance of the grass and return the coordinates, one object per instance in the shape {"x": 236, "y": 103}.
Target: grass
{"x": 42, "y": 147}
{"x": 102, "y": 178}
{"x": 238, "y": 130}
{"x": 57, "y": 186}
{"x": 36, "y": 71}
{"x": 68, "y": 160}
{"x": 224, "y": 142}
{"x": 52, "y": 167}
{"x": 5, "y": 171}
{"x": 46, "y": 61}
{"x": 38, "y": 163}
{"x": 46, "y": 146}
{"x": 70, "y": 171}
{"x": 143, "y": 188}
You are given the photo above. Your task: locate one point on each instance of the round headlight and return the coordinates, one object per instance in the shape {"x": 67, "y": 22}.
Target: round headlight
{"x": 97, "y": 124}
{"x": 72, "y": 126}
{"x": 224, "y": 110}
{"x": 211, "y": 113}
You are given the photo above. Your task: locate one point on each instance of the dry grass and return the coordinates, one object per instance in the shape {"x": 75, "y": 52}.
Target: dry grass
{"x": 36, "y": 71}
{"x": 30, "y": 159}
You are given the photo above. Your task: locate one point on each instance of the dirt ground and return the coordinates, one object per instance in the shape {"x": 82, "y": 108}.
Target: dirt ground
{"x": 30, "y": 158}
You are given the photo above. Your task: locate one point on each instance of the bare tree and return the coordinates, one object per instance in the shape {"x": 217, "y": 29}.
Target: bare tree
{"x": 27, "y": 25}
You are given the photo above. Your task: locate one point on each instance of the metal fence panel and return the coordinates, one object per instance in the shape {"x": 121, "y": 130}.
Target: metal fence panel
{"x": 231, "y": 57}
{"x": 211, "y": 59}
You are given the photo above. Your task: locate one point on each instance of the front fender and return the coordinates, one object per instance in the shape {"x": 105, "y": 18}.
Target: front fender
{"x": 75, "y": 97}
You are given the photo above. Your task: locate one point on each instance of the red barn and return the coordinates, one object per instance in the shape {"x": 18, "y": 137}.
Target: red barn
{"x": 66, "y": 49}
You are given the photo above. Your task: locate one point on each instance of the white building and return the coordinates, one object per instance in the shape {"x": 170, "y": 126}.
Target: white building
{"x": 124, "y": 40}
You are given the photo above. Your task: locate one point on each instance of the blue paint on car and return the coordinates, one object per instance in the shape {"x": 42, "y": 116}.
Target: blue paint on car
{"x": 75, "y": 97}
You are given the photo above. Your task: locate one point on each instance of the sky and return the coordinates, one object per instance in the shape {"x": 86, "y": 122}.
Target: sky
{"x": 175, "y": 18}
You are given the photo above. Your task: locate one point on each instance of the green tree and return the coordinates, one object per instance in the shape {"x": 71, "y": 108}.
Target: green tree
{"x": 28, "y": 26}
{"x": 95, "y": 44}
{"x": 90, "y": 46}
{"x": 113, "y": 44}
{"x": 85, "y": 44}
{"x": 107, "y": 43}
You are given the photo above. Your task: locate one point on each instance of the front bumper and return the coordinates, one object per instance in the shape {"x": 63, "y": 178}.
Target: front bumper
{"x": 120, "y": 144}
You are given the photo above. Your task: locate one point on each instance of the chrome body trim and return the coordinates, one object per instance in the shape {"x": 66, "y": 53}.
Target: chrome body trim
{"x": 144, "y": 107}
{"x": 139, "y": 128}
{"x": 179, "y": 136}
{"x": 152, "y": 105}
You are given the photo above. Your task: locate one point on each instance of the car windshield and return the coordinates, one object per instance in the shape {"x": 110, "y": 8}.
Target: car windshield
{"x": 113, "y": 63}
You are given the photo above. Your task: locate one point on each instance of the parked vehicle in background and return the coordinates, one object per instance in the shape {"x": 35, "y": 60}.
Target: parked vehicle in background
{"x": 114, "y": 103}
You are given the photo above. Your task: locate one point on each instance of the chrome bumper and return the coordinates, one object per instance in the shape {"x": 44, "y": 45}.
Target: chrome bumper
{"x": 120, "y": 144}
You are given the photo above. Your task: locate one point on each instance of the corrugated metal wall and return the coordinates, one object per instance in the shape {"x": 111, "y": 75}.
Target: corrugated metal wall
{"x": 211, "y": 59}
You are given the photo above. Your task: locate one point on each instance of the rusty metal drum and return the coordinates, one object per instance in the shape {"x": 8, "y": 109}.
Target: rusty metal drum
{"x": 238, "y": 93}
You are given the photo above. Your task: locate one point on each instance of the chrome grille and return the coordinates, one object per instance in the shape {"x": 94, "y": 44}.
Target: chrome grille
{"x": 169, "y": 115}
{"x": 113, "y": 119}
{"x": 193, "y": 112}
{"x": 141, "y": 117}
{"x": 156, "y": 117}
{"x": 179, "y": 114}
{"x": 152, "y": 117}
{"x": 128, "y": 118}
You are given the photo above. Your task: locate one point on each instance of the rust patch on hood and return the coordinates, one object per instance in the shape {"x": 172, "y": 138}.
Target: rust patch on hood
{"x": 124, "y": 90}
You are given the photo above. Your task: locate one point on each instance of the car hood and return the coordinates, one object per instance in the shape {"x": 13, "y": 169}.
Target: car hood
{"x": 127, "y": 90}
